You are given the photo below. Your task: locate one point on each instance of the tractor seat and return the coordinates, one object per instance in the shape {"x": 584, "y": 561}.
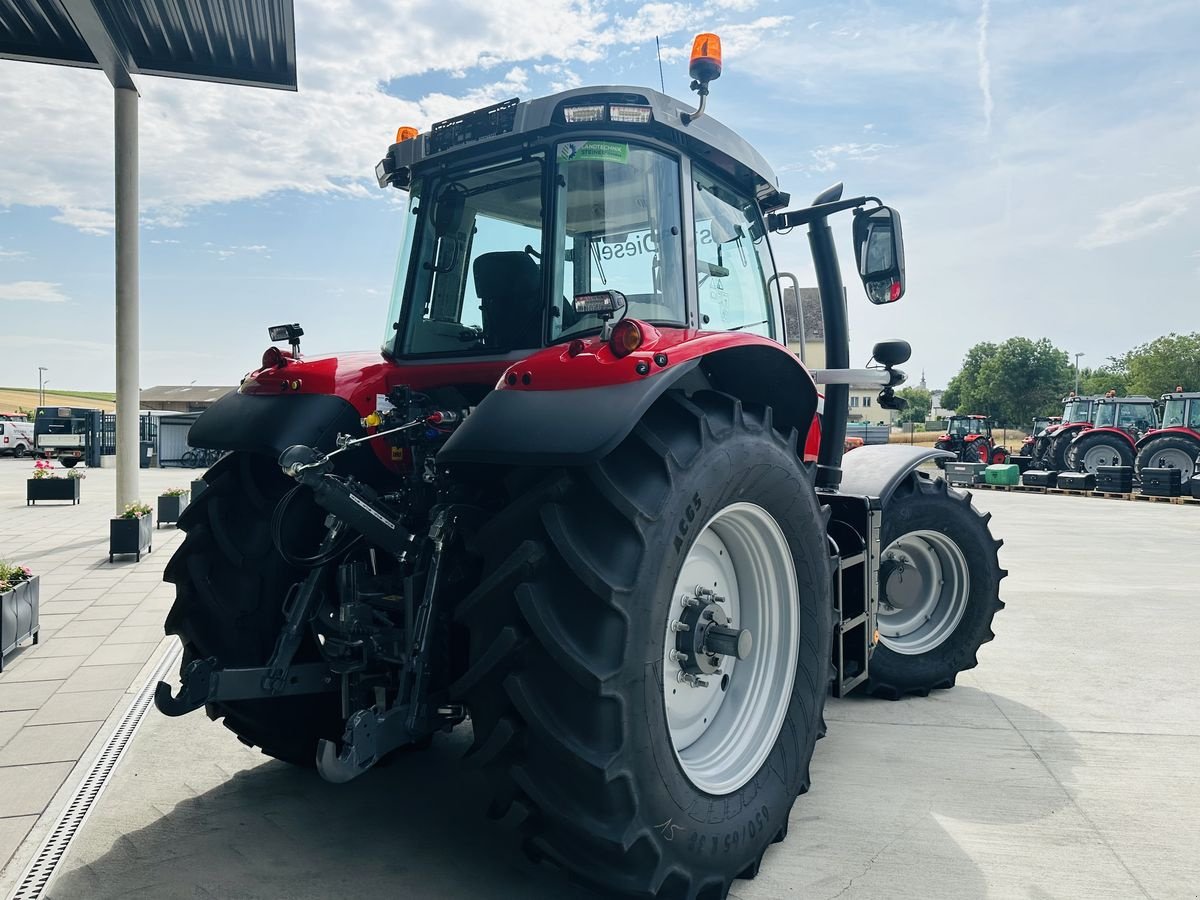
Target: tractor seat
{"x": 509, "y": 287}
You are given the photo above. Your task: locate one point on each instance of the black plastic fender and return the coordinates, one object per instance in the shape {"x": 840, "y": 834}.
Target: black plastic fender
{"x": 877, "y": 470}
{"x": 270, "y": 424}
{"x": 580, "y": 426}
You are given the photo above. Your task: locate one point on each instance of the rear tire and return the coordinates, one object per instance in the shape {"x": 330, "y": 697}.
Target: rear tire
{"x": 1091, "y": 450}
{"x": 70, "y": 462}
{"x": 932, "y": 533}
{"x": 570, "y": 689}
{"x": 940, "y": 462}
{"x": 1171, "y": 451}
{"x": 1056, "y": 452}
{"x": 230, "y": 583}
{"x": 19, "y": 451}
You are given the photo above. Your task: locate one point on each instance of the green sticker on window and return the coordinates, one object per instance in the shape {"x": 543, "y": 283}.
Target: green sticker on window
{"x": 605, "y": 151}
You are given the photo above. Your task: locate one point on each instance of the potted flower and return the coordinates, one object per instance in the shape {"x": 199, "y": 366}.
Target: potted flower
{"x": 131, "y": 531}
{"x": 47, "y": 484}
{"x": 18, "y": 607}
{"x": 171, "y": 504}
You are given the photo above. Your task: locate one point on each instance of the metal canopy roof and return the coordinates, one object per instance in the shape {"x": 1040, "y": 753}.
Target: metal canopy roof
{"x": 247, "y": 42}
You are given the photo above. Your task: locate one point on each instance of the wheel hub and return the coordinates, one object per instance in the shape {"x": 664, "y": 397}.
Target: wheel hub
{"x": 703, "y": 636}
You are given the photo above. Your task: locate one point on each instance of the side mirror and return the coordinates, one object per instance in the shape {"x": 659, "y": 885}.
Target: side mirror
{"x": 879, "y": 250}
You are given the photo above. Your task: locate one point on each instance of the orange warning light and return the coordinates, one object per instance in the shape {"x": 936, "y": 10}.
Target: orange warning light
{"x": 705, "y": 65}
{"x": 406, "y": 133}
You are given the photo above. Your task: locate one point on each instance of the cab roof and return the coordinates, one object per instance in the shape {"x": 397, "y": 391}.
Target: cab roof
{"x": 478, "y": 131}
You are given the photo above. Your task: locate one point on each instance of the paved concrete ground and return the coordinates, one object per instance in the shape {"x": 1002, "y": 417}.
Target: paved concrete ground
{"x": 1066, "y": 766}
{"x": 100, "y": 624}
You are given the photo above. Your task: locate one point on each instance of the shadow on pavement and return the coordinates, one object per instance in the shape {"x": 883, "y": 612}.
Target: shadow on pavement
{"x": 416, "y": 828}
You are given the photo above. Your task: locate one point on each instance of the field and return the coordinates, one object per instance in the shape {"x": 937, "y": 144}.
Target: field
{"x": 27, "y": 398}
{"x": 1010, "y": 438}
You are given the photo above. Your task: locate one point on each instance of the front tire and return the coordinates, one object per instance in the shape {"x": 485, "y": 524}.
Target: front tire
{"x": 939, "y": 589}
{"x": 573, "y": 692}
{"x": 19, "y": 451}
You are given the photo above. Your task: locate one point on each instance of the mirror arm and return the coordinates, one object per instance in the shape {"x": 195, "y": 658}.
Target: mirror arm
{"x": 808, "y": 215}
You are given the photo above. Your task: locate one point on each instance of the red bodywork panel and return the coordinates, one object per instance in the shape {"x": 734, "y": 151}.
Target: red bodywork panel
{"x": 1110, "y": 430}
{"x": 360, "y": 377}
{"x": 1174, "y": 429}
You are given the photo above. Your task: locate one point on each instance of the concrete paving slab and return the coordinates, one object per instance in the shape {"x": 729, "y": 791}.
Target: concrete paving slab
{"x": 136, "y": 634}
{"x": 48, "y": 743}
{"x": 27, "y": 789}
{"x": 68, "y": 646}
{"x": 88, "y": 628}
{"x": 25, "y": 694}
{"x": 83, "y": 706}
{"x": 98, "y": 678}
{"x": 120, "y": 612}
{"x": 12, "y": 831}
{"x": 121, "y": 653}
{"x": 28, "y": 666}
{"x": 11, "y": 722}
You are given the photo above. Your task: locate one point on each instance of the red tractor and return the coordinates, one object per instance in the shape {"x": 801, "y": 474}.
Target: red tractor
{"x": 583, "y": 497}
{"x": 1177, "y": 444}
{"x": 1118, "y": 424}
{"x": 1049, "y": 448}
{"x": 969, "y": 438}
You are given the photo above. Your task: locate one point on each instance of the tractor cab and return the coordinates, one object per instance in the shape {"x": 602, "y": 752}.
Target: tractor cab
{"x": 1078, "y": 410}
{"x": 1181, "y": 410}
{"x": 1041, "y": 423}
{"x": 1134, "y": 415}
{"x": 968, "y": 427}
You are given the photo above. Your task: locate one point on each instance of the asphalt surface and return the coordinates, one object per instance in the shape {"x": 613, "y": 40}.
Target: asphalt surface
{"x": 1066, "y": 766}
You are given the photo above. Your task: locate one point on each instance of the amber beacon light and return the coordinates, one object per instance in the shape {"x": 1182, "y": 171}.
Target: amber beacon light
{"x": 406, "y": 133}
{"x": 705, "y": 65}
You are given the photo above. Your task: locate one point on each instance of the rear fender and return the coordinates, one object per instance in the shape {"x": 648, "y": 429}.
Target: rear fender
{"x": 876, "y": 471}
{"x": 269, "y": 424}
{"x": 575, "y": 426}
{"x": 1116, "y": 432}
{"x": 1163, "y": 432}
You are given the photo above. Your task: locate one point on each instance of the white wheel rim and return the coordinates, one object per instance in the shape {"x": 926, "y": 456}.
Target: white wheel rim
{"x": 723, "y": 732}
{"x": 1173, "y": 459}
{"x": 1101, "y": 455}
{"x": 925, "y": 584}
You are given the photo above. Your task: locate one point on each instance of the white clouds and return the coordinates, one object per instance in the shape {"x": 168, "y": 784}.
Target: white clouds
{"x": 32, "y": 292}
{"x": 826, "y": 159}
{"x": 985, "y": 65}
{"x": 13, "y": 254}
{"x": 1138, "y": 218}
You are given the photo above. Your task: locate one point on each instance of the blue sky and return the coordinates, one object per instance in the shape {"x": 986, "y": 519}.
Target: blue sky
{"x": 1045, "y": 158}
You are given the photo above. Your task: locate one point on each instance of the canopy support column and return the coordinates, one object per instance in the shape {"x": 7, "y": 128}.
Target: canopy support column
{"x": 128, "y": 391}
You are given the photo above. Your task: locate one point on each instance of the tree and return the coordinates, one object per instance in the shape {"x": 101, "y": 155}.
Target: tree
{"x": 919, "y": 404}
{"x": 1011, "y": 382}
{"x": 1157, "y": 367}
{"x": 1102, "y": 379}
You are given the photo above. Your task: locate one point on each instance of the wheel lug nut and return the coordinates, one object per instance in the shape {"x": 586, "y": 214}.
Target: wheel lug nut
{"x": 680, "y": 626}
{"x": 679, "y": 656}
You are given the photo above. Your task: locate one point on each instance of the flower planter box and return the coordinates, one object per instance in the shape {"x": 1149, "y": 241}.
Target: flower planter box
{"x": 51, "y": 489}
{"x": 199, "y": 486}
{"x": 130, "y": 536}
{"x": 18, "y": 616}
{"x": 170, "y": 508}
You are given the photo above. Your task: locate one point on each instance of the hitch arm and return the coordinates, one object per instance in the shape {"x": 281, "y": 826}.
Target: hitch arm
{"x": 204, "y": 682}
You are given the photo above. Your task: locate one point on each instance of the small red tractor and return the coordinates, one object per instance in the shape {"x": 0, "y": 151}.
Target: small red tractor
{"x": 969, "y": 438}
{"x": 1176, "y": 445}
{"x": 582, "y": 496}
{"x": 1049, "y": 447}
{"x": 1117, "y": 426}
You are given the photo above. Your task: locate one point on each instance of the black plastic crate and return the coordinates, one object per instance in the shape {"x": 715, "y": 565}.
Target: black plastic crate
{"x": 1021, "y": 462}
{"x": 1162, "y": 482}
{"x": 1195, "y": 483}
{"x": 1039, "y": 478}
{"x": 1077, "y": 481}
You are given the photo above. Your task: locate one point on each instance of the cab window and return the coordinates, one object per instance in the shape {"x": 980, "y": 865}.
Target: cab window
{"x": 730, "y": 245}
{"x": 618, "y": 215}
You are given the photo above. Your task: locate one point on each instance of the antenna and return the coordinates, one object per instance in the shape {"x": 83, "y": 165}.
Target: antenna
{"x": 658, "y": 49}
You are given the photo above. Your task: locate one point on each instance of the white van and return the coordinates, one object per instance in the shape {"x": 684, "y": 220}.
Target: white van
{"x": 16, "y": 438}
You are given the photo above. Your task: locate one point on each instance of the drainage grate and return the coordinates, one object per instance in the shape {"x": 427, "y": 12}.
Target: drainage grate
{"x": 33, "y": 883}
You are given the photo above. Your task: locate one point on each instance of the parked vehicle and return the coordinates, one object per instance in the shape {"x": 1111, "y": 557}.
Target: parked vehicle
{"x": 969, "y": 438}
{"x": 576, "y": 499}
{"x": 1049, "y": 450}
{"x": 1118, "y": 423}
{"x": 16, "y": 437}
{"x": 65, "y": 433}
{"x": 1040, "y": 425}
{"x": 1176, "y": 445}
